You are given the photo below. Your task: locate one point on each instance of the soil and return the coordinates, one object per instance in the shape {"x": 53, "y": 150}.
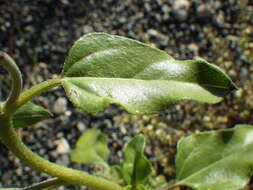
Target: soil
{"x": 38, "y": 35}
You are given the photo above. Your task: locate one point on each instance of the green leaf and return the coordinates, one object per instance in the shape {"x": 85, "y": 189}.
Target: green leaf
{"x": 129, "y": 187}
{"x": 29, "y": 114}
{"x": 139, "y": 187}
{"x": 91, "y": 148}
{"x": 136, "y": 168}
{"x": 217, "y": 160}
{"x": 117, "y": 172}
{"x": 103, "y": 69}
{"x": 142, "y": 187}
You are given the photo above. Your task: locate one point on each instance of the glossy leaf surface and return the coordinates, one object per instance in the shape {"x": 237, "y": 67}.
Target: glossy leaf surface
{"x": 91, "y": 148}
{"x": 136, "y": 168}
{"x": 217, "y": 160}
{"x": 103, "y": 69}
{"x": 29, "y": 114}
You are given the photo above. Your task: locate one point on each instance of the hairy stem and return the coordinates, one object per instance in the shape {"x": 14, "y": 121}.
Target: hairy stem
{"x": 31, "y": 93}
{"x": 9, "y": 64}
{"x": 55, "y": 182}
{"x": 12, "y": 141}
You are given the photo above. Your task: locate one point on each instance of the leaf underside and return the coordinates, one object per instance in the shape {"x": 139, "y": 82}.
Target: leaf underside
{"x": 29, "y": 114}
{"x": 91, "y": 148}
{"x": 217, "y": 160}
{"x": 103, "y": 69}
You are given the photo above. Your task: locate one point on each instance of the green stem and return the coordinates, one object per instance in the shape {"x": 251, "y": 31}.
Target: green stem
{"x": 13, "y": 143}
{"x": 32, "y": 92}
{"x": 9, "y": 64}
{"x": 55, "y": 182}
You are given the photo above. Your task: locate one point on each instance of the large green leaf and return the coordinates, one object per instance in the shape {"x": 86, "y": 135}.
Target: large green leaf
{"x": 136, "y": 168}
{"x": 217, "y": 160}
{"x": 91, "y": 148}
{"x": 102, "y": 69}
{"x": 29, "y": 114}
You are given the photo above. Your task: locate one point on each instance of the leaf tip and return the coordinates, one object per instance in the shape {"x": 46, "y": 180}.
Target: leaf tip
{"x": 233, "y": 87}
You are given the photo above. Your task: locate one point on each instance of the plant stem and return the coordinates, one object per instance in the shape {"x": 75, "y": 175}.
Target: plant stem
{"x": 45, "y": 184}
{"x": 9, "y": 64}
{"x": 31, "y": 93}
{"x": 12, "y": 141}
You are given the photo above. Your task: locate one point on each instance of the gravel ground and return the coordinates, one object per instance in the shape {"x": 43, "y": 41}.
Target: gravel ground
{"x": 38, "y": 34}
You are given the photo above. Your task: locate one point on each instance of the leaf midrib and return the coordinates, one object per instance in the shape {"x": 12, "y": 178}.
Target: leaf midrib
{"x": 101, "y": 78}
{"x": 33, "y": 116}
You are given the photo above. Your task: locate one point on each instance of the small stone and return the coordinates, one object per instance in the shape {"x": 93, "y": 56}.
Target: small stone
{"x": 80, "y": 126}
{"x": 62, "y": 146}
{"x": 181, "y": 4}
{"x": 60, "y": 106}
{"x": 206, "y": 118}
{"x": 194, "y": 48}
{"x": 204, "y": 12}
{"x": 243, "y": 72}
{"x": 123, "y": 130}
{"x": 180, "y": 9}
{"x": 220, "y": 18}
{"x": 64, "y": 2}
{"x": 239, "y": 93}
{"x": 68, "y": 113}
{"x": 87, "y": 29}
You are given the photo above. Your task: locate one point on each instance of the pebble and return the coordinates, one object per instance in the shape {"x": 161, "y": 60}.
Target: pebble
{"x": 204, "y": 12}
{"x": 62, "y": 146}
{"x": 180, "y": 9}
{"x": 60, "y": 106}
{"x": 80, "y": 126}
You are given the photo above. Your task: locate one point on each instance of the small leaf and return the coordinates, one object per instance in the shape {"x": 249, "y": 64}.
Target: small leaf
{"x": 139, "y": 187}
{"x": 117, "y": 172}
{"x": 129, "y": 187}
{"x": 217, "y": 160}
{"x": 91, "y": 148}
{"x": 142, "y": 187}
{"x": 103, "y": 69}
{"x": 136, "y": 168}
{"x": 29, "y": 114}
